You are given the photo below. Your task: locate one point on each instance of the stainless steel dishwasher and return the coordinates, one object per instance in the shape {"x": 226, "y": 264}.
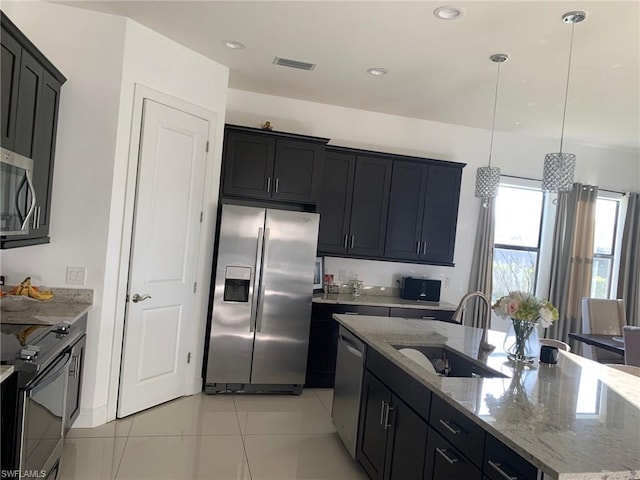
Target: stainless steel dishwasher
{"x": 347, "y": 388}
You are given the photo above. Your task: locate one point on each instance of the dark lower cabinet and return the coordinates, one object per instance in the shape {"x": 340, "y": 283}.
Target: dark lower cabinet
{"x": 501, "y": 462}
{"x": 372, "y": 435}
{"x": 445, "y": 462}
{"x": 392, "y": 437}
{"x": 407, "y": 432}
{"x": 74, "y": 386}
{"x": 323, "y": 340}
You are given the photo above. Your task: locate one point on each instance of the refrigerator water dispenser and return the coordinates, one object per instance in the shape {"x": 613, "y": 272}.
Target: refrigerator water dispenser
{"x": 236, "y": 284}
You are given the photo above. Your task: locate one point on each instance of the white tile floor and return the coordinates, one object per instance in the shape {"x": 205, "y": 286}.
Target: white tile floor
{"x": 230, "y": 437}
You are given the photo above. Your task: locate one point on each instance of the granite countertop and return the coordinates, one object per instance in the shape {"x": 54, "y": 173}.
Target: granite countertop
{"x": 5, "y": 372}
{"x": 577, "y": 420}
{"x": 67, "y": 305}
{"x": 379, "y": 301}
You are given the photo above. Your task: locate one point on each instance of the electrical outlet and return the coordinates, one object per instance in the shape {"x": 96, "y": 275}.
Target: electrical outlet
{"x": 446, "y": 282}
{"x": 342, "y": 275}
{"x": 76, "y": 275}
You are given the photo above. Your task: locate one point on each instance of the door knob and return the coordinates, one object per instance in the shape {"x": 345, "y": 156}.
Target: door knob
{"x": 139, "y": 298}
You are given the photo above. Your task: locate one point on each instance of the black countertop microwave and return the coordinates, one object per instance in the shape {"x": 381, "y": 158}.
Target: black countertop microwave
{"x": 420, "y": 289}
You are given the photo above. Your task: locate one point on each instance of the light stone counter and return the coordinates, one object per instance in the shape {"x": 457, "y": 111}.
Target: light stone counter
{"x": 5, "y": 372}
{"x": 379, "y": 301}
{"x": 578, "y": 420}
{"x": 67, "y": 305}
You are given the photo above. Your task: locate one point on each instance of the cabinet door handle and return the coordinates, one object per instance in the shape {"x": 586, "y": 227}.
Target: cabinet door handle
{"x": 452, "y": 427}
{"x": 382, "y": 409}
{"x": 418, "y": 248}
{"x": 387, "y": 425}
{"x": 39, "y": 213}
{"x": 498, "y": 468}
{"x": 346, "y": 238}
{"x": 268, "y": 184}
{"x": 73, "y": 372}
{"x": 353, "y": 239}
{"x": 424, "y": 248}
{"x": 443, "y": 453}
{"x": 277, "y": 184}
{"x": 351, "y": 313}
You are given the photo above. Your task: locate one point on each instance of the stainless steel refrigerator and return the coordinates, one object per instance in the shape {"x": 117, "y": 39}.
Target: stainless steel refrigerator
{"x": 262, "y": 300}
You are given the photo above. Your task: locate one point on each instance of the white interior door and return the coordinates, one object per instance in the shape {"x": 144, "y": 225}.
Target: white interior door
{"x": 164, "y": 257}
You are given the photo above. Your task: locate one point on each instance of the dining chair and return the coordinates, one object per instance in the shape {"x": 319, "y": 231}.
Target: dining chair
{"x": 604, "y": 317}
{"x": 631, "y": 345}
{"x": 560, "y": 345}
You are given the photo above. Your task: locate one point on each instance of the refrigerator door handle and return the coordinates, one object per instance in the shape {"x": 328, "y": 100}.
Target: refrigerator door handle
{"x": 257, "y": 275}
{"x": 265, "y": 256}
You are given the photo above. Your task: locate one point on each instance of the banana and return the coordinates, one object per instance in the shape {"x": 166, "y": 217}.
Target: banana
{"x": 25, "y": 288}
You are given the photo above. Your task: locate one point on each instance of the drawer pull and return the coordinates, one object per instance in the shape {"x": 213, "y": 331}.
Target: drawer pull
{"x": 382, "y": 409}
{"x": 498, "y": 468}
{"x": 351, "y": 313}
{"x": 428, "y": 318}
{"x": 386, "y": 417}
{"x": 443, "y": 454}
{"x": 452, "y": 427}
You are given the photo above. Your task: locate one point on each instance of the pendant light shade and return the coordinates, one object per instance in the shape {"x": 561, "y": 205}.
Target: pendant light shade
{"x": 557, "y": 175}
{"x": 488, "y": 178}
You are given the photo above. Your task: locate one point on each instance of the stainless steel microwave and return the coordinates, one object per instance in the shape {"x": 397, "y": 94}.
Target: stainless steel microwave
{"x": 17, "y": 195}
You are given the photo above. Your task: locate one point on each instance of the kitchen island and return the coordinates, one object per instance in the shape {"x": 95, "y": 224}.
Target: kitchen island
{"x": 575, "y": 420}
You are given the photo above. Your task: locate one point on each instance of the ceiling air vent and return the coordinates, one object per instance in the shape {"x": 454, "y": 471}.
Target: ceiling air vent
{"x": 286, "y": 62}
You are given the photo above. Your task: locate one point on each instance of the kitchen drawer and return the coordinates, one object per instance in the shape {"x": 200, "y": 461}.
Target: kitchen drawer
{"x": 501, "y": 462}
{"x": 463, "y": 434}
{"x": 422, "y": 313}
{"x": 445, "y": 462}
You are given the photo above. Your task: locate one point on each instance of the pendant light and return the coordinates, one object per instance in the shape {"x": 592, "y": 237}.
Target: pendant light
{"x": 559, "y": 167}
{"x": 488, "y": 178}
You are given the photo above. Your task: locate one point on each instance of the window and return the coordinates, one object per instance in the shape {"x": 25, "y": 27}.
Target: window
{"x": 517, "y": 239}
{"x": 604, "y": 246}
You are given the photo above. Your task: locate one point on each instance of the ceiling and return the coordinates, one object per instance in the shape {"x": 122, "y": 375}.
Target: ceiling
{"x": 438, "y": 69}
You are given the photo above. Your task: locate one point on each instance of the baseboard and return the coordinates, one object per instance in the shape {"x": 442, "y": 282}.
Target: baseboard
{"x": 195, "y": 387}
{"x": 91, "y": 417}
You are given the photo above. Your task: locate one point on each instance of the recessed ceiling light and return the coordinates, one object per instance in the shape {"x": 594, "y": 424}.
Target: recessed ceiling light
{"x": 234, "y": 44}
{"x": 377, "y": 72}
{"x": 447, "y": 13}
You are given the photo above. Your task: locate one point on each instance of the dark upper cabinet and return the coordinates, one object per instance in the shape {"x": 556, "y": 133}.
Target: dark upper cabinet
{"x": 440, "y": 214}
{"x": 265, "y": 165}
{"x": 423, "y": 212}
{"x": 389, "y": 207}
{"x": 335, "y": 201}
{"x": 354, "y": 204}
{"x": 30, "y": 101}
{"x": 10, "y": 57}
{"x": 369, "y": 206}
{"x": 406, "y": 210}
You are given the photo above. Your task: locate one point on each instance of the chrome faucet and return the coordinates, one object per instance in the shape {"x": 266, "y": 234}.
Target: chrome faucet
{"x": 457, "y": 317}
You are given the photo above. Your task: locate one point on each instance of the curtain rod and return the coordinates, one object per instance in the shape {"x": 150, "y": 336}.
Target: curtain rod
{"x": 538, "y": 180}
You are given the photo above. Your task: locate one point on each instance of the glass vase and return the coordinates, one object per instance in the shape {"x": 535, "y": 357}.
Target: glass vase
{"x": 521, "y": 342}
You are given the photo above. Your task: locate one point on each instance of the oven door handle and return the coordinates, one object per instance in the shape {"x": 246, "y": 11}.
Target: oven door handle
{"x": 51, "y": 375}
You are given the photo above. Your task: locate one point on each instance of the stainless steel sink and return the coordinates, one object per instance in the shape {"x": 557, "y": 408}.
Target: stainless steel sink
{"x": 449, "y": 363}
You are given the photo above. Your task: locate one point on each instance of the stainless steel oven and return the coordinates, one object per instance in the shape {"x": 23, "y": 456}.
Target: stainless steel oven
{"x": 17, "y": 195}
{"x": 43, "y": 404}
{"x": 42, "y": 358}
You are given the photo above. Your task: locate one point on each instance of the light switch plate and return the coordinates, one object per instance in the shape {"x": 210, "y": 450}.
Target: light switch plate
{"x": 76, "y": 275}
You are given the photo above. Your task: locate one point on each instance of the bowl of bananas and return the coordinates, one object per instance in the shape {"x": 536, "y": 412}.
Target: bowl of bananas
{"x": 25, "y": 289}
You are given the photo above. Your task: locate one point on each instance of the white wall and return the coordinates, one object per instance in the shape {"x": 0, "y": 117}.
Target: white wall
{"x": 103, "y": 56}
{"x": 166, "y": 66}
{"x": 88, "y": 49}
{"x": 515, "y": 154}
